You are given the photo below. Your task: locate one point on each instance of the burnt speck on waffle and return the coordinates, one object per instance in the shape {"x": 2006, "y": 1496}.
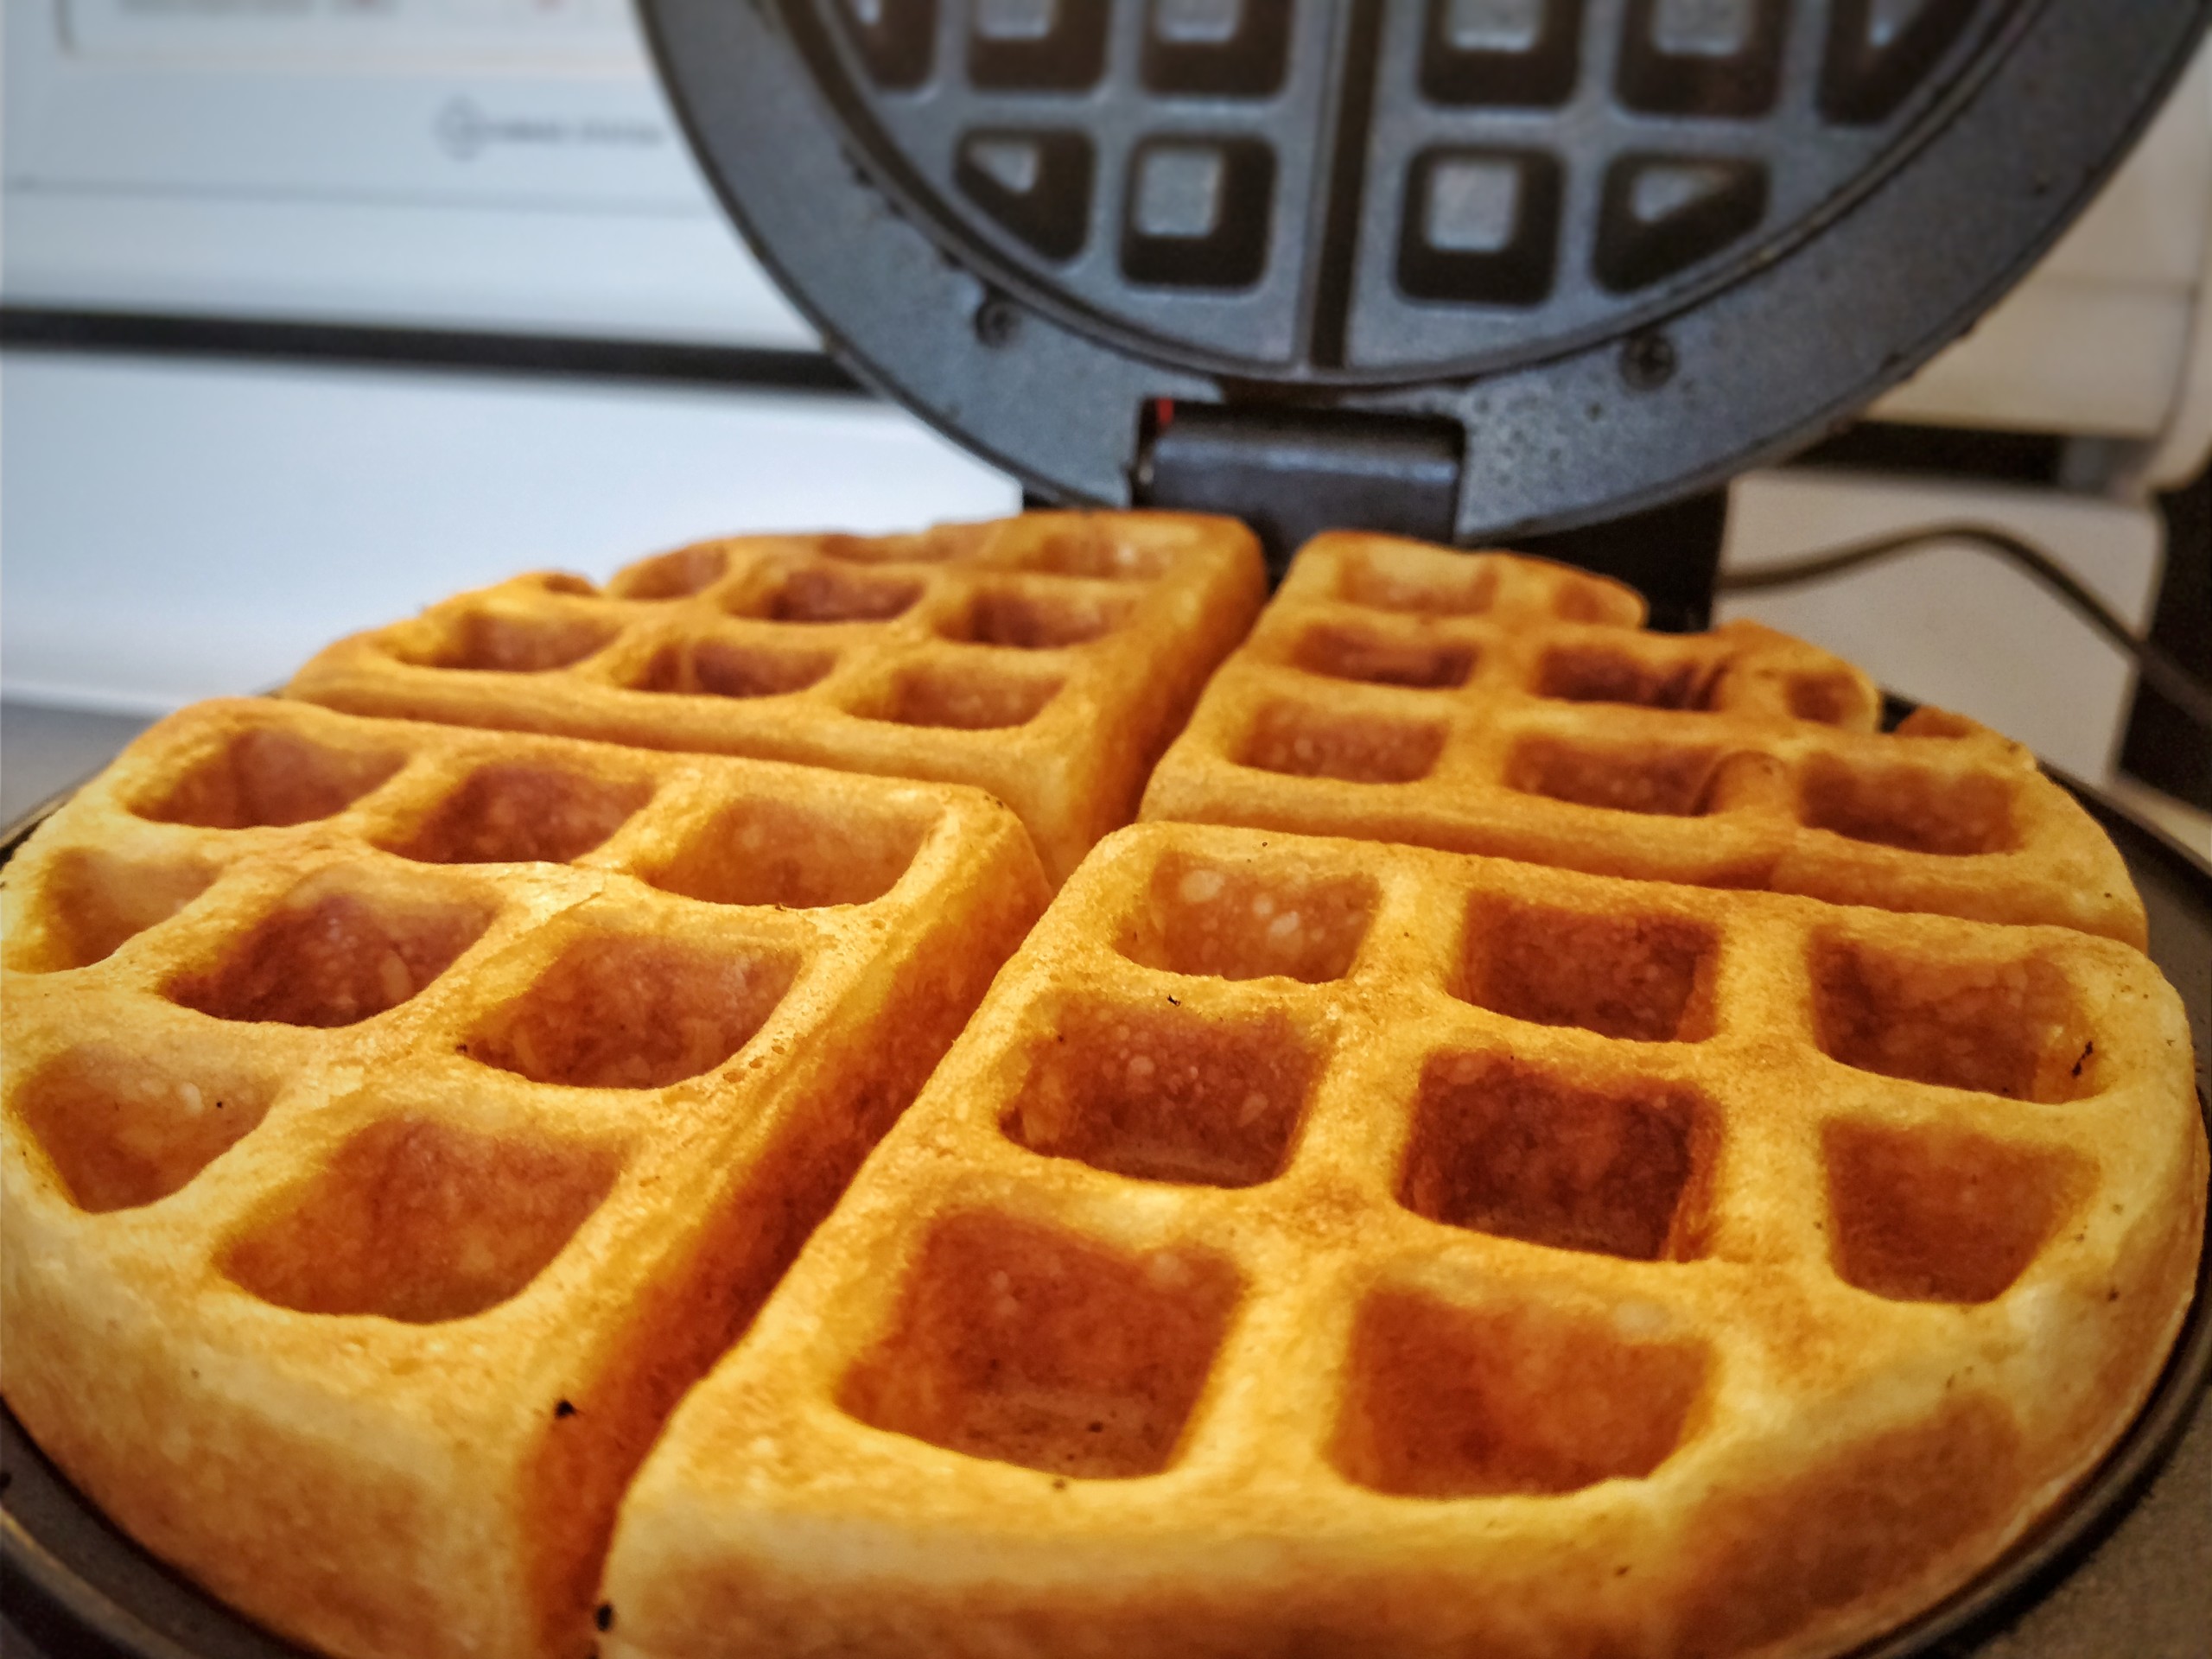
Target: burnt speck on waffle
{"x": 1047, "y": 659}
{"x": 1323, "y": 1247}
{"x": 399, "y": 1117}
{"x": 1495, "y": 704}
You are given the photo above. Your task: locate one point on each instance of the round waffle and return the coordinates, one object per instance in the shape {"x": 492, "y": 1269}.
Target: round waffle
{"x": 1313, "y": 1246}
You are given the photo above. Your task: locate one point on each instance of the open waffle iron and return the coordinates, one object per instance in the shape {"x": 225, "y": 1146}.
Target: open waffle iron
{"x": 1468, "y": 269}
{"x": 1463, "y": 269}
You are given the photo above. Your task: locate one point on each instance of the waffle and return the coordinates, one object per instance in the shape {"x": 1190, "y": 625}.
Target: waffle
{"x": 1314, "y": 1247}
{"x": 398, "y": 1117}
{"x": 1047, "y": 659}
{"x": 1488, "y": 703}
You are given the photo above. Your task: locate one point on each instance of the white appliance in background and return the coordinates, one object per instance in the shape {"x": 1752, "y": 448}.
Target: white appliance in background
{"x": 513, "y": 165}
{"x": 179, "y": 530}
{"x": 181, "y": 527}
{"x": 471, "y": 164}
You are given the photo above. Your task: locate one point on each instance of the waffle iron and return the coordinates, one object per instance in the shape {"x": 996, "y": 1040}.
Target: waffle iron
{"x": 1465, "y": 270}
{"x": 1529, "y": 271}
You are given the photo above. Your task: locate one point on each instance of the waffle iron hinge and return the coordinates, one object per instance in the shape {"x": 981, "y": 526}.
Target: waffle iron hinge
{"x": 1292, "y": 473}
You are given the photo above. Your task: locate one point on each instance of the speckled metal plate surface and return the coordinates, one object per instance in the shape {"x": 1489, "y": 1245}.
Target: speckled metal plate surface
{"x": 1614, "y": 250}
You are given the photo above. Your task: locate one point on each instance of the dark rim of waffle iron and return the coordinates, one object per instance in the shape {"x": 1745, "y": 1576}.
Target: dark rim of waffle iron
{"x": 1612, "y": 250}
{"x": 72, "y": 1585}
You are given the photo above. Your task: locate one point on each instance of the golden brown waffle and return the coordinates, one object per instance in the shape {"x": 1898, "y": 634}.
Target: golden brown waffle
{"x": 1314, "y": 1247}
{"x": 1047, "y": 659}
{"x": 1490, "y": 703}
{"x": 397, "y": 1118}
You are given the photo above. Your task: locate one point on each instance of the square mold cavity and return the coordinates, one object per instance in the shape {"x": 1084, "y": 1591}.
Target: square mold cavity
{"x": 332, "y": 953}
{"x": 764, "y": 851}
{"x": 2005, "y": 1026}
{"x": 1664, "y": 781}
{"x": 1029, "y": 1346}
{"x": 1938, "y": 1215}
{"x": 90, "y": 904}
{"x": 1518, "y": 53}
{"x": 1501, "y": 1146}
{"x": 1342, "y": 651}
{"x": 494, "y": 643}
{"x": 833, "y": 593}
{"x": 1614, "y": 674}
{"x": 728, "y": 667}
{"x": 1304, "y": 741}
{"x": 421, "y": 1221}
{"x": 623, "y": 1011}
{"x": 1031, "y": 618}
{"x": 122, "y": 1128}
{"x": 1647, "y": 979}
{"x": 1206, "y": 47}
{"x": 1449, "y": 1402}
{"x": 1480, "y": 226}
{"x": 1951, "y": 815}
{"x": 1197, "y": 210}
{"x": 1242, "y": 921}
{"x": 265, "y": 776}
{"x": 969, "y": 696}
{"x": 679, "y": 575}
{"x": 1162, "y": 1094}
{"x": 1387, "y": 579}
{"x": 518, "y": 813}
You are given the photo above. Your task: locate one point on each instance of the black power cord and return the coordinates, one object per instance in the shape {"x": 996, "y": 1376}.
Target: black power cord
{"x": 2162, "y": 673}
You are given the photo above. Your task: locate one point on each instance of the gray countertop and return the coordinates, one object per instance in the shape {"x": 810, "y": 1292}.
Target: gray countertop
{"x": 44, "y": 750}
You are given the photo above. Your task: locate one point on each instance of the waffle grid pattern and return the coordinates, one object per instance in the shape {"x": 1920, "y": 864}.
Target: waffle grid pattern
{"x": 1306, "y": 1234}
{"x": 398, "y": 1117}
{"x": 1520, "y": 174}
{"x": 1396, "y": 691}
{"x": 1046, "y": 659}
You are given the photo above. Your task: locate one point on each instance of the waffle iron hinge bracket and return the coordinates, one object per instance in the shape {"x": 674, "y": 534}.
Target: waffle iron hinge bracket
{"x": 1293, "y": 473}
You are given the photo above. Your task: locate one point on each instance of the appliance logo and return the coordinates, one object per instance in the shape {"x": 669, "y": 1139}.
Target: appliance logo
{"x": 464, "y": 130}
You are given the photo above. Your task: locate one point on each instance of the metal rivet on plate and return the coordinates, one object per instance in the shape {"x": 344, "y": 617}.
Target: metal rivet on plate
{"x": 1647, "y": 360}
{"x": 996, "y": 321}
